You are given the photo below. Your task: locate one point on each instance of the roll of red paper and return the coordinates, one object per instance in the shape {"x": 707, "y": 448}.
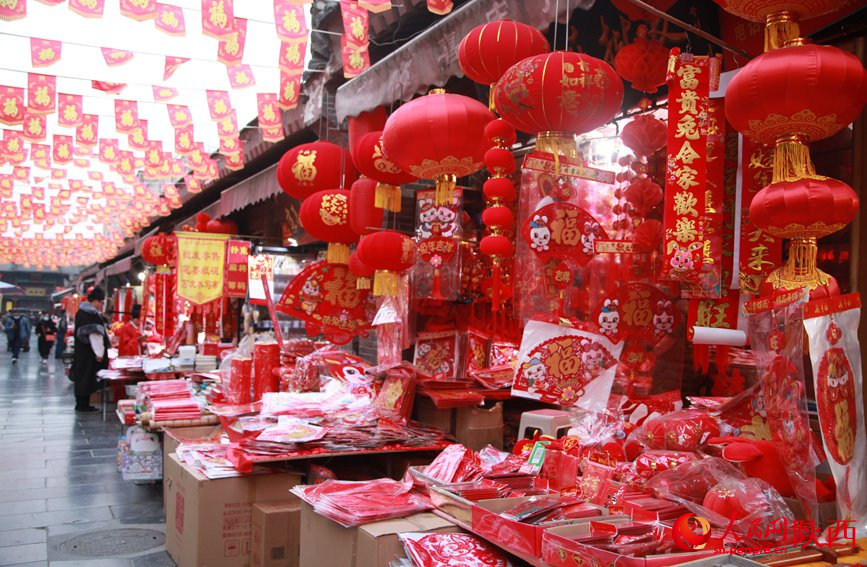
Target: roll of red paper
{"x": 266, "y": 357}
{"x": 238, "y": 391}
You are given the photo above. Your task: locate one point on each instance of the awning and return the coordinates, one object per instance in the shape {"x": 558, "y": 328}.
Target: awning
{"x": 88, "y": 272}
{"x": 432, "y": 58}
{"x": 252, "y": 190}
{"x": 119, "y": 267}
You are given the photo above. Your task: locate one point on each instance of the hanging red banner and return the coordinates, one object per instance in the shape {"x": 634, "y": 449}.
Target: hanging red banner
{"x": 269, "y": 115}
{"x": 184, "y": 140}
{"x": 219, "y": 104}
{"x": 290, "y": 21}
{"x": 292, "y": 57}
{"x": 87, "y": 133}
{"x": 139, "y": 10}
{"x": 116, "y": 57}
{"x": 241, "y": 76}
{"x": 34, "y": 127}
{"x": 170, "y": 19}
{"x": 230, "y": 48}
{"x": 172, "y": 64}
{"x": 44, "y": 52}
{"x": 760, "y": 253}
{"x": 179, "y": 115}
{"x": 237, "y": 256}
{"x": 356, "y": 58}
{"x": 69, "y": 110}
{"x": 689, "y": 81}
{"x": 125, "y": 115}
{"x": 217, "y": 18}
{"x": 62, "y": 149}
{"x": 162, "y": 94}
{"x": 12, "y": 107}
{"x": 228, "y": 125}
{"x": 201, "y": 262}
{"x": 87, "y": 8}
{"x": 355, "y": 22}
{"x": 40, "y": 154}
{"x": 730, "y": 178}
{"x": 273, "y": 135}
{"x": 290, "y": 90}
{"x": 375, "y": 6}
{"x": 13, "y": 10}
{"x": 229, "y": 145}
{"x": 138, "y": 136}
{"x": 108, "y": 87}
{"x": 164, "y": 302}
{"x": 108, "y": 150}
{"x": 41, "y": 93}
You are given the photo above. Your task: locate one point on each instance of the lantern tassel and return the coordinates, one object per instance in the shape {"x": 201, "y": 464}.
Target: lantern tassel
{"x": 436, "y": 287}
{"x": 445, "y": 189}
{"x": 780, "y": 28}
{"x": 491, "y": 106}
{"x": 558, "y": 144}
{"x": 362, "y": 283}
{"x": 387, "y": 197}
{"x": 792, "y": 160}
{"x": 800, "y": 269}
{"x": 385, "y": 283}
{"x": 338, "y": 253}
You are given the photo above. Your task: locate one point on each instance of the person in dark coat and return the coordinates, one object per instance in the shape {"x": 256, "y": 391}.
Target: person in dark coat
{"x": 20, "y": 334}
{"x": 46, "y": 330}
{"x": 90, "y": 353}
{"x": 62, "y": 324}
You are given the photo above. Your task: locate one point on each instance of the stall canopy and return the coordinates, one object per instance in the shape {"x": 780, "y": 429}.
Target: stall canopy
{"x": 432, "y": 58}
{"x": 252, "y": 190}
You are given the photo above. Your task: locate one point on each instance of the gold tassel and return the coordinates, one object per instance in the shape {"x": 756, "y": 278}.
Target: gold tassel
{"x": 491, "y": 106}
{"x": 387, "y": 197}
{"x": 445, "y": 189}
{"x": 800, "y": 269}
{"x": 362, "y": 283}
{"x": 385, "y": 282}
{"x": 792, "y": 160}
{"x": 338, "y": 253}
{"x": 558, "y": 144}
{"x": 780, "y": 28}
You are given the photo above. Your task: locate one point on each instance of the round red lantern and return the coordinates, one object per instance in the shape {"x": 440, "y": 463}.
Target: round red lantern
{"x": 370, "y": 159}
{"x": 221, "y": 226}
{"x": 361, "y": 125}
{"x": 500, "y": 217}
{"x": 160, "y": 250}
{"x": 804, "y": 208}
{"x": 439, "y": 136}
{"x": 499, "y": 189}
{"x": 362, "y": 272}
{"x": 313, "y": 167}
{"x": 364, "y": 216}
{"x": 202, "y": 222}
{"x": 643, "y": 62}
{"x": 389, "y": 253}
{"x": 558, "y": 95}
{"x": 644, "y": 134}
{"x": 634, "y": 12}
{"x": 642, "y": 194}
{"x": 325, "y": 216}
{"x": 648, "y": 236}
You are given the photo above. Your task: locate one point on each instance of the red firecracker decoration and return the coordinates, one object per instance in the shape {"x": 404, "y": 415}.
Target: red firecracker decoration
{"x": 643, "y": 62}
{"x": 313, "y": 167}
{"x": 438, "y": 137}
{"x": 362, "y": 272}
{"x": 371, "y": 160}
{"x": 325, "y": 216}
{"x": 389, "y": 253}
{"x": 364, "y": 216}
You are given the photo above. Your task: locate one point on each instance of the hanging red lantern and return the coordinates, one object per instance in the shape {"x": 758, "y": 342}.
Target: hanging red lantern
{"x": 389, "y": 253}
{"x": 804, "y": 208}
{"x": 308, "y": 168}
{"x": 438, "y": 137}
{"x": 648, "y": 236}
{"x": 642, "y": 194}
{"x": 558, "y": 95}
{"x": 362, "y": 272}
{"x": 643, "y": 62}
{"x": 325, "y": 216}
{"x": 644, "y": 134}
{"x": 370, "y": 159}
{"x": 160, "y": 250}
{"x": 202, "y": 222}
{"x": 364, "y": 216}
{"x": 221, "y": 226}
{"x": 363, "y": 124}
{"x": 634, "y": 12}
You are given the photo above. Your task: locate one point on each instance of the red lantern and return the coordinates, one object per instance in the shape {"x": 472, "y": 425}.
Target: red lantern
{"x": 499, "y": 189}
{"x": 804, "y": 208}
{"x": 160, "y": 250}
{"x": 370, "y": 159}
{"x": 389, "y": 253}
{"x": 643, "y": 194}
{"x": 364, "y": 217}
{"x": 556, "y": 94}
{"x": 325, "y": 216}
{"x": 648, "y": 236}
{"x": 440, "y": 137}
{"x": 363, "y": 124}
{"x": 313, "y": 167}
{"x": 633, "y": 12}
{"x": 643, "y": 62}
{"x": 499, "y": 216}
{"x": 221, "y": 226}
{"x": 202, "y": 222}
{"x": 362, "y": 272}
{"x": 490, "y": 49}
{"x": 644, "y": 134}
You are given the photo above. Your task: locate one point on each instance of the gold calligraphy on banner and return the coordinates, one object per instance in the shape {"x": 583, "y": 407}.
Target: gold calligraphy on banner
{"x": 201, "y": 263}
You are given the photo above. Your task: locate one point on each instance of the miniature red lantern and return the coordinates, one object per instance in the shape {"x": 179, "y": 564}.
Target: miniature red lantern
{"x": 389, "y": 253}
{"x": 647, "y": 236}
{"x": 644, "y": 134}
{"x": 364, "y": 217}
{"x": 313, "y": 167}
{"x": 642, "y": 194}
{"x": 370, "y": 159}
{"x": 325, "y": 216}
{"x": 558, "y": 95}
{"x": 439, "y": 137}
{"x": 643, "y": 62}
{"x": 362, "y": 272}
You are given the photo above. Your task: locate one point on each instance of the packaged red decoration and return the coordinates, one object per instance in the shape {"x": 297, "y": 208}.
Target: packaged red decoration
{"x": 476, "y": 351}
{"x": 503, "y": 352}
{"x": 685, "y": 430}
{"x": 436, "y": 354}
{"x": 266, "y": 358}
{"x": 465, "y": 550}
{"x": 438, "y": 232}
{"x": 397, "y": 394}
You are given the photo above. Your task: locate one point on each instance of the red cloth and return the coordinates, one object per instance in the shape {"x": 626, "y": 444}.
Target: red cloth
{"x": 127, "y": 340}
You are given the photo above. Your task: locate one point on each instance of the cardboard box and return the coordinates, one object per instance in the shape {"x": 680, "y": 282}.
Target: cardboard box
{"x": 427, "y": 412}
{"x": 480, "y": 426}
{"x": 276, "y": 536}
{"x": 327, "y": 543}
{"x": 174, "y": 436}
{"x": 209, "y": 522}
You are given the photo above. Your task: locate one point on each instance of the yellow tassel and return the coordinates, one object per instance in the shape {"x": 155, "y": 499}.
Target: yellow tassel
{"x": 491, "y": 106}
{"x": 445, "y": 189}
{"x": 338, "y": 253}
{"x": 385, "y": 283}
{"x": 780, "y": 28}
{"x": 387, "y": 197}
{"x": 792, "y": 160}
{"x": 362, "y": 283}
{"x": 559, "y": 144}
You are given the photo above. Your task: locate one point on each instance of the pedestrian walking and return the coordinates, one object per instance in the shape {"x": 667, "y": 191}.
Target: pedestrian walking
{"x": 46, "y": 331}
{"x": 90, "y": 353}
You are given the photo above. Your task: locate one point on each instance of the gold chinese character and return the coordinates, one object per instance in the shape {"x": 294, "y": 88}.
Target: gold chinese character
{"x": 757, "y": 260}
{"x": 687, "y": 154}
{"x": 687, "y": 74}
{"x": 685, "y": 230}
{"x": 687, "y": 128}
{"x": 688, "y": 102}
{"x": 684, "y": 204}
{"x": 686, "y": 177}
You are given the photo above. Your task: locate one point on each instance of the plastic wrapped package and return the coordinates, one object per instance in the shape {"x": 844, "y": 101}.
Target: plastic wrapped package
{"x": 438, "y": 230}
{"x": 437, "y": 355}
{"x": 388, "y": 323}
{"x": 599, "y": 432}
{"x": 466, "y": 550}
{"x": 455, "y": 463}
{"x": 685, "y": 430}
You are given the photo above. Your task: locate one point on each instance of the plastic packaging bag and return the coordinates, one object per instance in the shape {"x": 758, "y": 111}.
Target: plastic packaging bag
{"x": 236, "y": 371}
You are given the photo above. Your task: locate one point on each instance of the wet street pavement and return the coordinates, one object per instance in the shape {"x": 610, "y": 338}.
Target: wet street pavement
{"x": 62, "y": 500}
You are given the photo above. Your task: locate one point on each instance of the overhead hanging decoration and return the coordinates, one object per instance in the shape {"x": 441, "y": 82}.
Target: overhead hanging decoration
{"x": 370, "y": 159}
{"x": 218, "y": 17}
{"x": 13, "y": 10}
{"x": 87, "y": 8}
{"x": 389, "y": 253}
{"x": 643, "y": 62}
{"x": 201, "y": 262}
{"x": 312, "y": 167}
{"x": 325, "y": 216}
{"x": 139, "y": 10}
{"x": 170, "y": 19}
{"x": 44, "y": 52}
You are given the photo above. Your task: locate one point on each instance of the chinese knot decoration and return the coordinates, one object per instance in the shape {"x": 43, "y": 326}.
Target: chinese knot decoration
{"x": 325, "y": 216}
{"x": 317, "y": 166}
{"x": 389, "y": 253}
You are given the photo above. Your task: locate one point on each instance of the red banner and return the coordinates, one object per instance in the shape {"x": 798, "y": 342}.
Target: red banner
{"x": 164, "y": 302}
{"x": 108, "y": 87}
{"x": 290, "y": 89}
{"x": 375, "y": 6}
{"x": 138, "y": 136}
{"x": 170, "y": 19}
{"x": 87, "y": 133}
{"x": 760, "y": 253}
{"x": 62, "y": 149}
{"x": 139, "y": 10}
{"x": 292, "y": 57}
{"x": 689, "y": 81}
{"x": 162, "y": 94}
{"x": 108, "y": 150}
{"x": 69, "y": 110}
{"x": 125, "y": 115}
{"x": 241, "y": 76}
{"x": 44, "y": 52}
{"x": 273, "y": 135}
{"x": 41, "y": 93}
{"x": 237, "y": 255}
{"x": 219, "y": 104}
{"x": 40, "y": 154}
{"x": 184, "y": 140}
{"x": 13, "y": 10}
{"x": 172, "y": 64}
{"x": 269, "y": 115}
{"x": 355, "y": 22}
{"x": 179, "y": 115}
{"x": 116, "y": 57}
{"x": 11, "y": 105}
{"x": 34, "y": 127}
{"x": 290, "y": 21}
{"x": 230, "y": 48}
{"x": 218, "y": 18}
{"x": 87, "y": 8}
{"x": 356, "y": 58}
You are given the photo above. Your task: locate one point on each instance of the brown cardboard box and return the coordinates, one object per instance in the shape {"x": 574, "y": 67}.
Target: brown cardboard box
{"x": 479, "y": 426}
{"x": 208, "y": 522}
{"x": 427, "y": 412}
{"x": 276, "y": 534}
{"x": 174, "y": 436}
{"x": 324, "y": 542}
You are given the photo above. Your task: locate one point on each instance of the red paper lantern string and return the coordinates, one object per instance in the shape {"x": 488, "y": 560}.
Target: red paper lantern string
{"x": 643, "y": 62}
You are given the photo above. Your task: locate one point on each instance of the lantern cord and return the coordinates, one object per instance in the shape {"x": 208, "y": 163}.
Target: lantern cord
{"x": 566, "y": 35}
{"x": 685, "y": 26}
{"x": 556, "y": 22}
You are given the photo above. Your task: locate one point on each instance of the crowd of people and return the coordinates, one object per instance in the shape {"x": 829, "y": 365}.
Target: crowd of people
{"x": 49, "y": 328}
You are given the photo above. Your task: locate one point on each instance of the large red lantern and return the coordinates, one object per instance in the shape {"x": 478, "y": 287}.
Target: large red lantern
{"x": 325, "y": 216}
{"x": 364, "y": 216}
{"x": 643, "y": 62}
{"x": 644, "y": 134}
{"x": 558, "y": 95}
{"x": 313, "y": 167}
{"x": 160, "y": 250}
{"x": 370, "y": 159}
{"x": 389, "y": 253}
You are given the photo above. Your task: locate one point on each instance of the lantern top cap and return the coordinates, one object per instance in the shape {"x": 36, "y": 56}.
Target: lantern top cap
{"x": 780, "y": 17}
{"x": 797, "y": 41}
{"x": 437, "y": 91}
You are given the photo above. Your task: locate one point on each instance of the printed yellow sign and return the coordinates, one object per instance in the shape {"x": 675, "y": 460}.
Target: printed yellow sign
{"x": 201, "y": 259}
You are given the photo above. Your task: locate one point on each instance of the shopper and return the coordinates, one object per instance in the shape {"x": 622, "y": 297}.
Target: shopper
{"x": 90, "y": 353}
{"x": 62, "y": 326}
{"x": 7, "y": 328}
{"x": 46, "y": 331}
{"x": 128, "y": 337}
{"x": 19, "y": 333}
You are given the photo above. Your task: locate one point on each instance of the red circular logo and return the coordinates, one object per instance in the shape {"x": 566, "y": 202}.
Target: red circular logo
{"x": 684, "y": 533}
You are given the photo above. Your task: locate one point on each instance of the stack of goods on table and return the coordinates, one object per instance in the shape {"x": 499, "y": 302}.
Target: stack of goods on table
{"x": 167, "y": 401}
